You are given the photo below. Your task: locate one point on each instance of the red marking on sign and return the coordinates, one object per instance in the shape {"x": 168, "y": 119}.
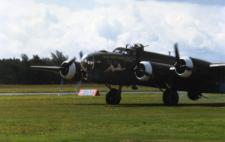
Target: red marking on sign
{"x": 88, "y": 92}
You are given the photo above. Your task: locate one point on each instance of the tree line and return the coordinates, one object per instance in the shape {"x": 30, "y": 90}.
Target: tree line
{"x": 18, "y": 71}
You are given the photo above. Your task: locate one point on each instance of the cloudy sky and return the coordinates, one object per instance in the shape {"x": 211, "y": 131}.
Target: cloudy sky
{"x": 43, "y": 26}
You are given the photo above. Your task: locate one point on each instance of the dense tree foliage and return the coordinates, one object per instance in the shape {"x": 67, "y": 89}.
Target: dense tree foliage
{"x": 18, "y": 71}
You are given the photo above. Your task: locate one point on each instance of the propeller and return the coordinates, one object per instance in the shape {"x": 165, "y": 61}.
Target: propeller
{"x": 139, "y": 68}
{"x": 79, "y": 83}
{"x": 180, "y": 64}
{"x": 78, "y": 79}
{"x": 65, "y": 66}
{"x": 138, "y": 49}
{"x": 63, "y": 70}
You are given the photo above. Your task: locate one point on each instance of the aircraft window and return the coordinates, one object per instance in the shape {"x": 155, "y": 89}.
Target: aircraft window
{"x": 120, "y": 51}
{"x": 117, "y": 51}
{"x": 124, "y": 52}
{"x": 89, "y": 61}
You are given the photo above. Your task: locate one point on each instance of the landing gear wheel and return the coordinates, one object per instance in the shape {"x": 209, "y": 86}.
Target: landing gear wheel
{"x": 194, "y": 96}
{"x": 113, "y": 97}
{"x": 170, "y": 97}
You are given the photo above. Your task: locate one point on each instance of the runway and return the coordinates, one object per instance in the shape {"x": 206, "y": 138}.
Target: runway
{"x": 74, "y": 93}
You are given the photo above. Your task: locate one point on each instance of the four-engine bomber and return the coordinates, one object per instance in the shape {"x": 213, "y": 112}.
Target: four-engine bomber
{"x": 132, "y": 66}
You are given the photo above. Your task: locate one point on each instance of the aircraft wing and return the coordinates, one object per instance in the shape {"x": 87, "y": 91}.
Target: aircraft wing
{"x": 47, "y": 68}
{"x": 161, "y": 69}
{"x": 217, "y": 65}
{"x": 163, "y": 65}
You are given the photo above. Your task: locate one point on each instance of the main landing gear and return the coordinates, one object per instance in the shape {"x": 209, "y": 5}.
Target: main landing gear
{"x": 113, "y": 97}
{"x": 170, "y": 97}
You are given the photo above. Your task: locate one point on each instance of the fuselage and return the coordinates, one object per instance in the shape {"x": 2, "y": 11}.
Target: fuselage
{"x": 117, "y": 68}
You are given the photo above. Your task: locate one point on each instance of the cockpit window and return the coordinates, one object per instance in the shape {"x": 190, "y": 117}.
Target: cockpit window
{"x": 117, "y": 51}
{"x": 120, "y": 51}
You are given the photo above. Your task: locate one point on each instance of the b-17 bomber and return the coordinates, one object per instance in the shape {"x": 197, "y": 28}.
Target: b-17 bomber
{"x": 133, "y": 66}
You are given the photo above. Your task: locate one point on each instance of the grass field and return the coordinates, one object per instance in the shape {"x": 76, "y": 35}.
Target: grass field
{"x": 139, "y": 118}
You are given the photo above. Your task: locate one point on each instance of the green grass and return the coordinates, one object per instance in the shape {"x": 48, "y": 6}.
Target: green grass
{"x": 139, "y": 118}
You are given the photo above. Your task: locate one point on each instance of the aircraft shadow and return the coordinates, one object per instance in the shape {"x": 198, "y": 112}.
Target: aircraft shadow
{"x": 179, "y": 105}
{"x": 157, "y": 105}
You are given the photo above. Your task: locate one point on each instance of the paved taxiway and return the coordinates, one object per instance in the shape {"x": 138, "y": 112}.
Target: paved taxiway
{"x": 75, "y": 93}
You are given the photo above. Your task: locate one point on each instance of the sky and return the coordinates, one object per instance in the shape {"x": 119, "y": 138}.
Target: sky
{"x": 43, "y": 26}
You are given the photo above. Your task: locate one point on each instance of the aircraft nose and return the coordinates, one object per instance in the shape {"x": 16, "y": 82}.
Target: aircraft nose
{"x": 87, "y": 62}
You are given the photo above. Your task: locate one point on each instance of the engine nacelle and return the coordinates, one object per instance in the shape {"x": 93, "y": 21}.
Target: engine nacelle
{"x": 69, "y": 71}
{"x": 186, "y": 67}
{"x": 144, "y": 71}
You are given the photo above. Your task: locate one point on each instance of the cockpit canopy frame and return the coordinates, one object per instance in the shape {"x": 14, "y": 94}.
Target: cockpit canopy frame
{"x": 130, "y": 49}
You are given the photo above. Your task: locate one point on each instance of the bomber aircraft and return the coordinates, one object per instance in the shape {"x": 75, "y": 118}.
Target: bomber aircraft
{"x": 132, "y": 66}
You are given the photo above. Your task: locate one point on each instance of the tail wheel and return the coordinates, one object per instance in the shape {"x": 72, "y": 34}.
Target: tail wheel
{"x": 194, "y": 95}
{"x": 113, "y": 97}
{"x": 170, "y": 97}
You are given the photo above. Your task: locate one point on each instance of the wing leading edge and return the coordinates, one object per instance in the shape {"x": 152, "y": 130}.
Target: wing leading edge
{"x": 217, "y": 65}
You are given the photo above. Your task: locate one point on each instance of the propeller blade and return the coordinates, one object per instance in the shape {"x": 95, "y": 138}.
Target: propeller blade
{"x": 176, "y": 50}
{"x": 81, "y": 54}
{"x": 78, "y": 85}
{"x": 61, "y": 81}
{"x": 137, "y": 58}
{"x": 61, "y": 86}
